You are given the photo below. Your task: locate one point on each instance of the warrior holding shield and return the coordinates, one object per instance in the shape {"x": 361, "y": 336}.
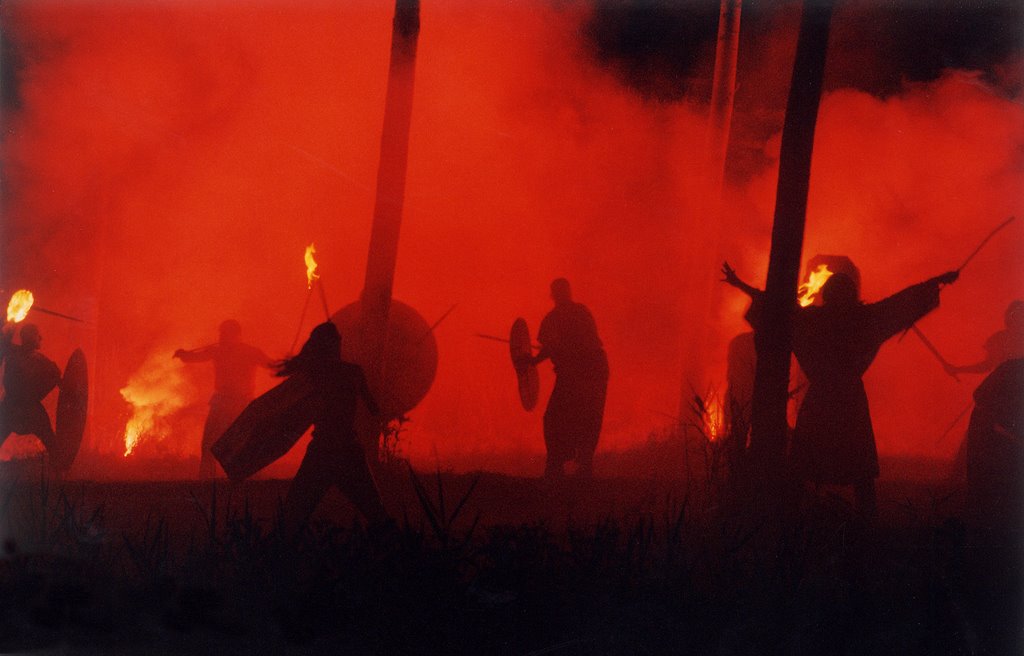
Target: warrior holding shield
{"x": 575, "y": 411}
{"x": 29, "y": 376}
{"x": 335, "y": 456}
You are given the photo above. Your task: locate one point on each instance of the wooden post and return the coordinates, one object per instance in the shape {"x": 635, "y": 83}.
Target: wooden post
{"x": 774, "y": 342}
{"x": 391, "y": 170}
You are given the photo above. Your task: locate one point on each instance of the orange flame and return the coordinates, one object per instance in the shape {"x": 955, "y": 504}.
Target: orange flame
{"x": 19, "y": 305}
{"x": 157, "y": 390}
{"x": 714, "y": 418}
{"x": 815, "y": 280}
{"x": 311, "y": 266}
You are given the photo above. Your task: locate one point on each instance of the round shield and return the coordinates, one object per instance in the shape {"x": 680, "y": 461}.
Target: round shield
{"x": 521, "y": 349}
{"x": 72, "y": 407}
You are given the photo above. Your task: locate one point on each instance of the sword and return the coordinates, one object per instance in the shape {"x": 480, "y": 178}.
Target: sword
{"x": 931, "y": 347}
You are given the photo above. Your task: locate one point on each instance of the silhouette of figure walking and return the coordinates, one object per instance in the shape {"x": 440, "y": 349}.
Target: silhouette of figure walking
{"x": 575, "y": 410}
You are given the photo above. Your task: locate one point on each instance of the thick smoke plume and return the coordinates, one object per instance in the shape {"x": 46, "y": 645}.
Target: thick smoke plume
{"x": 165, "y": 164}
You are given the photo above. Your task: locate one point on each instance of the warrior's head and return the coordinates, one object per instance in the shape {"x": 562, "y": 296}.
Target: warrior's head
{"x": 1013, "y": 317}
{"x": 230, "y": 332}
{"x": 560, "y": 291}
{"x": 31, "y": 338}
{"x": 840, "y": 290}
{"x": 323, "y": 345}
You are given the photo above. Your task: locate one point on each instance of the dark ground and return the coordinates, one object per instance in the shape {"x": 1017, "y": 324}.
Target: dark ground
{"x": 610, "y": 566}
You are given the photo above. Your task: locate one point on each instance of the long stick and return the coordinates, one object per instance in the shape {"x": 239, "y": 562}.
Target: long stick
{"x": 501, "y": 339}
{"x": 437, "y": 323}
{"x": 934, "y": 351}
{"x": 36, "y": 308}
{"x": 302, "y": 320}
{"x": 323, "y": 298}
{"x": 985, "y": 241}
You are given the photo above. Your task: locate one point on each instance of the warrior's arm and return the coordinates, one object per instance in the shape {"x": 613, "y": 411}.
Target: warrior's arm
{"x": 981, "y": 367}
{"x": 204, "y": 354}
{"x": 985, "y": 365}
{"x": 903, "y": 309}
{"x": 733, "y": 280}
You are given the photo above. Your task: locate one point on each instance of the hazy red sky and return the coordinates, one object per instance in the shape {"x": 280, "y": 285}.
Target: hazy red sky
{"x": 166, "y": 163}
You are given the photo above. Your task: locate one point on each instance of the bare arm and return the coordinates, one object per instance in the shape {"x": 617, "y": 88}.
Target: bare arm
{"x": 731, "y": 279}
{"x": 204, "y": 354}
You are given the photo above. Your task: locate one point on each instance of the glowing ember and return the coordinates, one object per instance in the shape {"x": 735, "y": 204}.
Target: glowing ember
{"x": 815, "y": 280}
{"x": 20, "y": 304}
{"x": 156, "y": 391}
{"x": 311, "y": 265}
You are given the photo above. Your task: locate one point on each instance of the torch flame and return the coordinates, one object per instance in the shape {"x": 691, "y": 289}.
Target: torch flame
{"x": 815, "y": 281}
{"x": 311, "y": 265}
{"x": 20, "y": 304}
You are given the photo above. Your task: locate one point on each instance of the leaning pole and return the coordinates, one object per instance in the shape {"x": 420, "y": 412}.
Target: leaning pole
{"x": 388, "y": 338}
{"x": 774, "y": 342}
{"x": 391, "y": 171}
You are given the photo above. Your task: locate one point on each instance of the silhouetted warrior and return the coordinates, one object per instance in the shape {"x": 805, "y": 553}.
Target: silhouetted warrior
{"x": 334, "y": 456}
{"x": 234, "y": 365}
{"x": 833, "y": 442}
{"x": 28, "y": 377}
{"x": 739, "y": 396}
{"x": 1004, "y": 345}
{"x": 995, "y": 449}
{"x": 572, "y": 420}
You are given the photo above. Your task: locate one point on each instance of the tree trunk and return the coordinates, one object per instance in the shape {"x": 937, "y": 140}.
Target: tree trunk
{"x": 774, "y": 341}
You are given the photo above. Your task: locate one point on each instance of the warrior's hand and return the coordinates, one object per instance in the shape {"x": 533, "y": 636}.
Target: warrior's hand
{"x": 180, "y": 353}
{"x": 729, "y": 275}
{"x": 523, "y": 361}
{"x": 947, "y": 278}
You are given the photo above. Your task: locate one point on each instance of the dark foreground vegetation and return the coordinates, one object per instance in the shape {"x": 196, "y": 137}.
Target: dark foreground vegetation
{"x": 487, "y": 564}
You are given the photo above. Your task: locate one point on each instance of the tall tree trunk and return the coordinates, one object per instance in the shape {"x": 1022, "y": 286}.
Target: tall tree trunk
{"x": 774, "y": 342}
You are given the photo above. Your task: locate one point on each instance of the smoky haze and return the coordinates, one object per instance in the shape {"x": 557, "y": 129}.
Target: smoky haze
{"x": 165, "y": 165}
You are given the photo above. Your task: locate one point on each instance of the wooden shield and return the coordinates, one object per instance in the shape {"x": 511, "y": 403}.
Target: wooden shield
{"x": 520, "y": 348}
{"x": 72, "y": 406}
{"x": 268, "y": 427}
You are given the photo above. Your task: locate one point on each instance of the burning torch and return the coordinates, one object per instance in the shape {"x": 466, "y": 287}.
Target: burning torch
{"x": 22, "y": 301}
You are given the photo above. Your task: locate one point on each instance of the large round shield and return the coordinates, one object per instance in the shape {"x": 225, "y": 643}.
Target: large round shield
{"x": 72, "y": 407}
{"x": 521, "y": 349}
{"x": 268, "y": 427}
{"x": 410, "y": 355}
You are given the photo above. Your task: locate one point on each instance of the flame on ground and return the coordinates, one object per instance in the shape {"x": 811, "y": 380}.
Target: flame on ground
{"x": 311, "y": 266}
{"x": 156, "y": 391}
{"x": 19, "y": 305}
{"x": 815, "y": 280}
{"x": 712, "y": 416}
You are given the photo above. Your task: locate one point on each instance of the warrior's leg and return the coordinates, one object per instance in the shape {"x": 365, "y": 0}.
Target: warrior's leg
{"x": 557, "y": 451}
{"x": 865, "y": 500}
{"x": 216, "y": 423}
{"x": 311, "y": 482}
{"x": 355, "y": 480}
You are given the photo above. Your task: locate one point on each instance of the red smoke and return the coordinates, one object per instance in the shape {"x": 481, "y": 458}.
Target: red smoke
{"x": 170, "y": 162}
